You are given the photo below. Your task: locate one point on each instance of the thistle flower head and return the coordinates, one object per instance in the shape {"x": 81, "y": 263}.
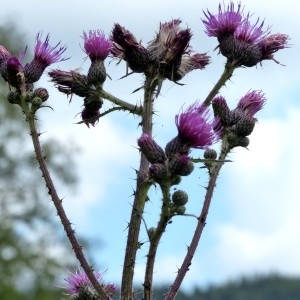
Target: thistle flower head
{"x": 194, "y": 128}
{"x": 44, "y": 56}
{"x": 71, "y": 82}
{"x": 171, "y": 42}
{"x": 271, "y": 44}
{"x": 251, "y": 103}
{"x": 242, "y": 43}
{"x": 225, "y": 22}
{"x": 125, "y": 46}
{"x": 96, "y": 45}
{"x": 79, "y": 284}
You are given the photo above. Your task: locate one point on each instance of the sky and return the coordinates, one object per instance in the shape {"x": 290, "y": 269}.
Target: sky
{"x": 253, "y": 225}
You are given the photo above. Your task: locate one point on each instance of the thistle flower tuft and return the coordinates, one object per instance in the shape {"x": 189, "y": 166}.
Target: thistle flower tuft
{"x": 251, "y": 103}
{"x": 195, "y": 130}
{"x": 96, "y": 45}
{"x": 79, "y": 284}
{"x": 44, "y": 56}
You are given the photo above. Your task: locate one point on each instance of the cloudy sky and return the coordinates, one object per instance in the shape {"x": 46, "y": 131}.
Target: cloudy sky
{"x": 253, "y": 226}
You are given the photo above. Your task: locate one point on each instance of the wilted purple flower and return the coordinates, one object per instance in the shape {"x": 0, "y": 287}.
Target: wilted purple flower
{"x": 271, "y": 44}
{"x": 44, "y": 56}
{"x": 71, "y": 82}
{"x": 96, "y": 45}
{"x": 243, "y": 43}
{"x": 78, "y": 283}
{"x": 251, "y": 103}
{"x": 90, "y": 116}
{"x": 194, "y": 128}
{"x": 125, "y": 46}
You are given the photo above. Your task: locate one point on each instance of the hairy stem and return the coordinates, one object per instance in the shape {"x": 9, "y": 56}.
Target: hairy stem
{"x": 154, "y": 238}
{"x": 140, "y": 197}
{"x": 214, "y": 171}
{"x": 226, "y": 75}
{"x": 30, "y": 117}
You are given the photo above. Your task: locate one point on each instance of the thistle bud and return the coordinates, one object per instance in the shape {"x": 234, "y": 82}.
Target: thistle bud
{"x": 158, "y": 172}
{"x": 180, "y": 210}
{"x": 244, "y": 127}
{"x": 153, "y": 152}
{"x": 181, "y": 165}
{"x": 237, "y": 141}
{"x": 13, "y": 98}
{"x": 41, "y": 93}
{"x": 180, "y": 197}
{"x": 210, "y": 154}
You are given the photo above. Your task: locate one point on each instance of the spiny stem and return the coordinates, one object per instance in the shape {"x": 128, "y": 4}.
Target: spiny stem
{"x": 226, "y": 75}
{"x": 200, "y": 225}
{"x": 134, "y": 109}
{"x": 30, "y": 117}
{"x": 140, "y": 197}
{"x": 155, "y": 238}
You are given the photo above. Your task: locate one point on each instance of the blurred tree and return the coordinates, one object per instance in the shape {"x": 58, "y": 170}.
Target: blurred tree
{"x": 33, "y": 248}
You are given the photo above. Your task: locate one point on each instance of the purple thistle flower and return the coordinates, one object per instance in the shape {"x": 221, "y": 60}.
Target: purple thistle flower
{"x": 44, "y": 56}
{"x": 271, "y": 44}
{"x": 194, "y": 128}
{"x": 242, "y": 43}
{"x": 78, "y": 283}
{"x": 225, "y": 23}
{"x": 96, "y": 46}
{"x": 251, "y": 103}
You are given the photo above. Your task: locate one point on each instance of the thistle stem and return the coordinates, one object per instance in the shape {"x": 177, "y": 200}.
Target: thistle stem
{"x": 134, "y": 109}
{"x": 215, "y": 169}
{"x": 155, "y": 238}
{"x": 140, "y": 197}
{"x": 226, "y": 75}
{"x": 30, "y": 117}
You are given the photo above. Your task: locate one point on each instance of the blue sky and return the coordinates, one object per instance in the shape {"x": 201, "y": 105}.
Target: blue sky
{"x": 253, "y": 225}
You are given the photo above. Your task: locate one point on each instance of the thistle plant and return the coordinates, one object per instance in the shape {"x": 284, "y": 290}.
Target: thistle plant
{"x": 204, "y": 125}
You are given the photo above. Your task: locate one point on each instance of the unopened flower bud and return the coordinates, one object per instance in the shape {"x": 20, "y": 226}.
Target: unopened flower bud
{"x": 180, "y": 210}
{"x": 237, "y": 141}
{"x": 175, "y": 180}
{"x": 37, "y": 101}
{"x": 210, "y": 154}
{"x": 244, "y": 127}
{"x": 158, "y": 172}
{"x": 41, "y": 93}
{"x": 174, "y": 147}
{"x": 13, "y": 97}
{"x": 153, "y": 152}
{"x": 180, "y": 197}
{"x": 181, "y": 165}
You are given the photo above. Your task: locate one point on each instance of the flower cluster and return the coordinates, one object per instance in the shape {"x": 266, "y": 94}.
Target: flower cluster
{"x": 237, "y": 124}
{"x": 79, "y": 286}
{"x": 168, "y": 55}
{"x": 44, "y": 56}
{"x": 242, "y": 43}
{"x": 97, "y": 47}
{"x": 195, "y": 130}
